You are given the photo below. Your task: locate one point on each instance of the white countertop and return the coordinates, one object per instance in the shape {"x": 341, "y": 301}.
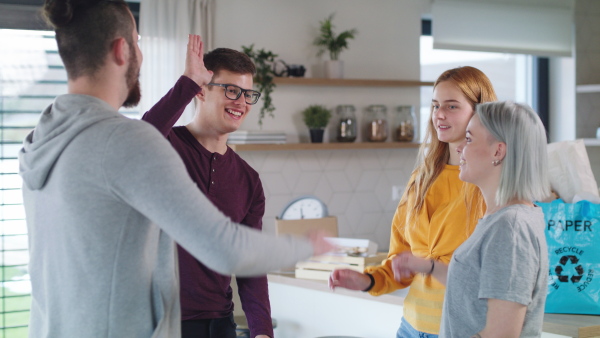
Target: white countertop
{"x": 396, "y": 298}
{"x": 560, "y": 324}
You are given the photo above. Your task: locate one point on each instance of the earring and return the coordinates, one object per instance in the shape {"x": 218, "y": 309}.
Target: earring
{"x": 496, "y": 162}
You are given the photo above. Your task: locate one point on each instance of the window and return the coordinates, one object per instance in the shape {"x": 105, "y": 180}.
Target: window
{"x": 31, "y": 76}
{"x": 510, "y": 74}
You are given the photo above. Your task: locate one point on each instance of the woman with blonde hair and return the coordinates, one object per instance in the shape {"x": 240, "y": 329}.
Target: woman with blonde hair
{"x": 432, "y": 218}
{"x": 497, "y": 279}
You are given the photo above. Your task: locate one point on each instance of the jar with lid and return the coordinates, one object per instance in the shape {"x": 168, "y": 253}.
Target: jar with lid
{"x": 376, "y": 123}
{"x": 404, "y": 124}
{"x": 346, "y": 130}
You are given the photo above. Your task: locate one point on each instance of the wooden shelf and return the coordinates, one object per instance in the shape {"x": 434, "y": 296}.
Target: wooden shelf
{"x": 323, "y": 146}
{"x": 572, "y": 325}
{"x": 303, "y": 81}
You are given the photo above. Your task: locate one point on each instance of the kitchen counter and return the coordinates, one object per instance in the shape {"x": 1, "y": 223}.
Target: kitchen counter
{"x": 307, "y": 308}
{"x": 287, "y": 278}
{"x": 332, "y": 305}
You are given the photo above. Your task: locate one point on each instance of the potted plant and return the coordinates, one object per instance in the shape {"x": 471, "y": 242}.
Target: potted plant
{"x": 263, "y": 60}
{"x": 316, "y": 118}
{"x": 334, "y": 44}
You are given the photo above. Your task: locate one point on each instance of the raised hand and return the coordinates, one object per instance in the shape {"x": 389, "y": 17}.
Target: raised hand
{"x": 194, "y": 61}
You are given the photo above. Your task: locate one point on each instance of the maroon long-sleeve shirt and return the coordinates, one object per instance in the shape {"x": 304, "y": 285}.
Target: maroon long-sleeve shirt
{"x": 233, "y": 187}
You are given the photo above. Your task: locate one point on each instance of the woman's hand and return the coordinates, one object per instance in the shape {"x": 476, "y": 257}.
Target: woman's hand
{"x": 405, "y": 265}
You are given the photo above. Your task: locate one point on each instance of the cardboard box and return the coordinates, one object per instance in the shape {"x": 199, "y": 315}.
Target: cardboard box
{"x": 300, "y": 227}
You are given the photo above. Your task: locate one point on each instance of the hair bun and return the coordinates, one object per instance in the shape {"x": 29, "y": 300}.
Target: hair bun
{"x": 58, "y": 13}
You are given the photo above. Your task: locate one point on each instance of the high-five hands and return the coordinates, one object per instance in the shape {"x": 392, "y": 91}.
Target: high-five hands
{"x": 194, "y": 61}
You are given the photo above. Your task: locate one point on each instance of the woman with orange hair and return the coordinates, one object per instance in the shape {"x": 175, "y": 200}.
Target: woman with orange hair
{"x": 437, "y": 211}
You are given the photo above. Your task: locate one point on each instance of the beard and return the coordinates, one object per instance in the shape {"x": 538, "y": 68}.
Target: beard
{"x": 133, "y": 81}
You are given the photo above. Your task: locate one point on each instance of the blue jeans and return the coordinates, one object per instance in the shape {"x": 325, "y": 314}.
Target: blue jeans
{"x": 407, "y": 331}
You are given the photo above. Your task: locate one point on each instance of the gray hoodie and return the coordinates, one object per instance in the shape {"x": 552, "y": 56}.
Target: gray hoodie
{"x": 105, "y": 196}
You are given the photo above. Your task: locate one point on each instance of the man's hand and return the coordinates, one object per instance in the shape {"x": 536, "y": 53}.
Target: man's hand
{"x": 194, "y": 61}
{"x": 319, "y": 241}
{"x": 348, "y": 279}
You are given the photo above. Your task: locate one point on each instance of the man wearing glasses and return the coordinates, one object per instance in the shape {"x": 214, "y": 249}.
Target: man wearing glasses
{"x": 223, "y": 176}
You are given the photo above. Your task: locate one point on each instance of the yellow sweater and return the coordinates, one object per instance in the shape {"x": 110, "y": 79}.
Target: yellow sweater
{"x": 440, "y": 229}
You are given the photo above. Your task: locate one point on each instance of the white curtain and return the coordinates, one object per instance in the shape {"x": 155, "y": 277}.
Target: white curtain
{"x": 164, "y": 29}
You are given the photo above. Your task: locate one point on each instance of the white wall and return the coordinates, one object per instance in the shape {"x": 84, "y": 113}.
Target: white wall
{"x": 386, "y": 47}
{"x": 356, "y": 185}
{"x": 562, "y": 99}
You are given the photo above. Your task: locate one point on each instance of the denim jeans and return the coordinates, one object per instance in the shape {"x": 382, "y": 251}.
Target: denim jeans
{"x": 407, "y": 331}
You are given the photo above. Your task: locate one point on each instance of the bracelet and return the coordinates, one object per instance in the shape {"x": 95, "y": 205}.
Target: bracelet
{"x": 432, "y": 266}
{"x": 371, "y": 284}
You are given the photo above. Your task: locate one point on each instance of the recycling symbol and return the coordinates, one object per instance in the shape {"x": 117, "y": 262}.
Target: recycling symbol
{"x": 560, "y": 269}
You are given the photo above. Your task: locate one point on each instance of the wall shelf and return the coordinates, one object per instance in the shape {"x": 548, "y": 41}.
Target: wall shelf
{"x": 303, "y": 81}
{"x": 590, "y": 88}
{"x": 591, "y": 142}
{"x": 323, "y": 146}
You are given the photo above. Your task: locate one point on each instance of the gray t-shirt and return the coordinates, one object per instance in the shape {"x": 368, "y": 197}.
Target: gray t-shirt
{"x": 505, "y": 258}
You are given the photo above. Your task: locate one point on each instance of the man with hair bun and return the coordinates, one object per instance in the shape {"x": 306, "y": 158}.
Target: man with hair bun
{"x": 106, "y": 197}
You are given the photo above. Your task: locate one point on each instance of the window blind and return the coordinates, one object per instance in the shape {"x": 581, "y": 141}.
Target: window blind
{"x": 507, "y": 27}
{"x": 31, "y": 76}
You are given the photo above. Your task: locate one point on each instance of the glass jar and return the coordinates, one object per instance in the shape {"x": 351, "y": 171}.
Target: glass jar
{"x": 404, "y": 124}
{"x": 376, "y": 123}
{"x": 346, "y": 130}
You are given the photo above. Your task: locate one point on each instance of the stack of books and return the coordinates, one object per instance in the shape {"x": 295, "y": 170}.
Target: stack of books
{"x": 349, "y": 253}
{"x": 256, "y": 137}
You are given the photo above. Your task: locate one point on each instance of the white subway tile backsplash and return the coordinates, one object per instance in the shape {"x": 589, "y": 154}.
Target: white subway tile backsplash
{"x": 368, "y": 180}
{"x": 368, "y": 202}
{"x": 323, "y": 158}
{"x": 307, "y": 182}
{"x": 274, "y": 184}
{"x": 356, "y": 185}
{"x": 274, "y": 161}
{"x": 338, "y": 204}
{"x": 383, "y": 193}
{"x": 339, "y": 160}
{"x": 307, "y": 160}
{"x": 339, "y": 181}
{"x": 291, "y": 171}
{"x": 370, "y": 160}
{"x": 370, "y": 221}
{"x": 323, "y": 190}
{"x": 353, "y": 171}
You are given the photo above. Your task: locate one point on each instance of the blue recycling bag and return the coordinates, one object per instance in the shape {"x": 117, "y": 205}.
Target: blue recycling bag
{"x": 573, "y": 237}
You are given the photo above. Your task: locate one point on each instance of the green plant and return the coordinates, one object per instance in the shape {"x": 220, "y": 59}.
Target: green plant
{"x": 328, "y": 41}
{"x": 316, "y": 116}
{"x": 263, "y": 60}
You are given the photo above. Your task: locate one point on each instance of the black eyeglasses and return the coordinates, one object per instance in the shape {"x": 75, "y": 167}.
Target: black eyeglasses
{"x": 234, "y": 92}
